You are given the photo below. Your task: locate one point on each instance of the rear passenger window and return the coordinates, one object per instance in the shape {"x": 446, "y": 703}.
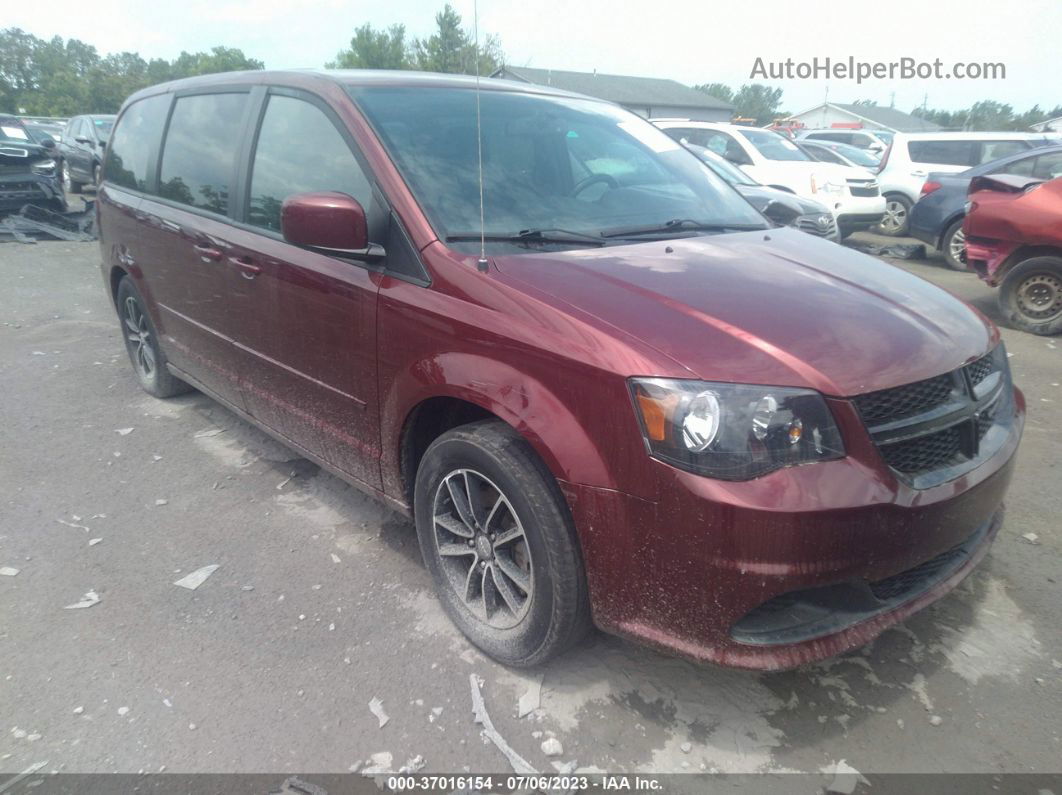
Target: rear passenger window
{"x": 993, "y": 150}
{"x": 200, "y": 150}
{"x": 945, "y": 153}
{"x": 300, "y": 150}
{"x": 131, "y": 143}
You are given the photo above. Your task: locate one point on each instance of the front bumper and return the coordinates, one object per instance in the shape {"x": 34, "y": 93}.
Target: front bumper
{"x": 22, "y": 189}
{"x": 684, "y": 572}
{"x": 856, "y": 222}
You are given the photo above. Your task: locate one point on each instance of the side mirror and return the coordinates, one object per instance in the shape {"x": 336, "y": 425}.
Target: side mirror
{"x": 328, "y": 222}
{"x": 48, "y": 143}
{"x": 780, "y": 212}
{"x": 84, "y": 141}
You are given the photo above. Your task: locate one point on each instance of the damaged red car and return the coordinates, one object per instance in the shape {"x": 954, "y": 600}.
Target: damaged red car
{"x": 606, "y": 389}
{"x": 1013, "y": 232}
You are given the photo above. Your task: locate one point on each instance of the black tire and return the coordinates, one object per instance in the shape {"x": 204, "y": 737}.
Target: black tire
{"x": 1030, "y": 296}
{"x": 70, "y": 185}
{"x": 141, "y": 343}
{"x": 897, "y": 215}
{"x": 556, "y": 610}
{"x": 952, "y": 246}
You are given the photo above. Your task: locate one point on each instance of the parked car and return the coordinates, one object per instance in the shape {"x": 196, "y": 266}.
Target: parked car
{"x": 771, "y": 159}
{"x": 874, "y": 141}
{"x": 842, "y": 154}
{"x": 28, "y": 172}
{"x": 617, "y": 393}
{"x": 804, "y": 214}
{"x": 1014, "y": 240}
{"x": 937, "y": 216}
{"x": 82, "y": 148}
{"x": 910, "y": 158}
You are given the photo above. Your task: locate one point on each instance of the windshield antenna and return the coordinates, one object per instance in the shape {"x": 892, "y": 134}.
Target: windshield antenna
{"x": 481, "y": 264}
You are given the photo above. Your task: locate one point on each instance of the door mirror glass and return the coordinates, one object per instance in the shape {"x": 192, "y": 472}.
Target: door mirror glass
{"x": 325, "y": 220}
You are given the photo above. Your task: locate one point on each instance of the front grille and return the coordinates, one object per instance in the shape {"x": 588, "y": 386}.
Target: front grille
{"x": 934, "y": 430}
{"x": 924, "y": 453}
{"x": 890, "y": 405}
{"x": 980, "y": 370}
{"x": 865, "y": 187}
{"x": 811, "y": 225}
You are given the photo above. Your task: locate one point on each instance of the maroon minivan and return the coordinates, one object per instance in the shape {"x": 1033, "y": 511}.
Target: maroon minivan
{"x": 605, "y": 387}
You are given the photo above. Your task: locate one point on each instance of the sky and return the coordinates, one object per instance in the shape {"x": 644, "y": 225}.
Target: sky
{"x": 692, "y": 41}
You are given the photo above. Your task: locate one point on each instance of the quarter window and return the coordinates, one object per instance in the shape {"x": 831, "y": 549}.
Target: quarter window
{"x": 199, "y": 155}
{"x": 129, "y": 149}
{"x": 300, "y": 150}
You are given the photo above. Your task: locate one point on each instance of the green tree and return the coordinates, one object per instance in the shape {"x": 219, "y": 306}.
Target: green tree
{"x": 757, "y": 101}
{"x": 452, "y": 49}
{"x": 717, "y": 90}
{"x": 219, "y": 59}
{"x": 62, "y": 78}
{"x": 374, "y": 49}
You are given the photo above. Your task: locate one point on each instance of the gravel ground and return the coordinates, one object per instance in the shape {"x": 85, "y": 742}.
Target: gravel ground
{"x": 320, "y": 603}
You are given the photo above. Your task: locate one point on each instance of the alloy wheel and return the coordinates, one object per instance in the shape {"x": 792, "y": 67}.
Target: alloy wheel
{"x": 957, "y": 246}
{"x": 895, "y": 216}
{"x": 483, "y": 549}
{"x": 1039, "y": 297}
{"x": 138, "y": 336}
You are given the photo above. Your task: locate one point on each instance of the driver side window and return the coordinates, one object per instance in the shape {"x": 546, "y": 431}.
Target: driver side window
{"x": 299, "y": 150}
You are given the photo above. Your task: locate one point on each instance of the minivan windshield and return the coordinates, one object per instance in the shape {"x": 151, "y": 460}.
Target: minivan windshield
{"x": 556, "y": 170}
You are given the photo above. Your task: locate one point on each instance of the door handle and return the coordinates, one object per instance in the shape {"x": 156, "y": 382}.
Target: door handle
{"x": 248, "y": 269}
{"x": 207, "y": 252}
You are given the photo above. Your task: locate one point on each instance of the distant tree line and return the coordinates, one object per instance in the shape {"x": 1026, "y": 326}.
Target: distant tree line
{"x": 451, "y": 49}
{"x": 54, "y": 77}
{"x": 763, "y": 103}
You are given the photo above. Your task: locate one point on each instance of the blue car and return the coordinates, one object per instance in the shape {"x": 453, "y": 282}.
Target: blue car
{"x": 937, "y": 217}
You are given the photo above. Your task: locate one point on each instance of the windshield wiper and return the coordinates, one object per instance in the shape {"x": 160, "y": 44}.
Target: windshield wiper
{"x": 563, "y": 236}
{"x": 677, "y": 225}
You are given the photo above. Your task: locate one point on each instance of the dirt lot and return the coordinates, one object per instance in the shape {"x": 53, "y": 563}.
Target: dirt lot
{"x": 320, "y": 603}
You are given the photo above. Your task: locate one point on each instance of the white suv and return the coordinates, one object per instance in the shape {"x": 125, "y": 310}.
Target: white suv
{"x": 850, "y": 193}
{"x": 912, "y": 156}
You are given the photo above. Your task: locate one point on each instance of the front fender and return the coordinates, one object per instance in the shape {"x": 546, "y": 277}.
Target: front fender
{"x": 518, "y": 399}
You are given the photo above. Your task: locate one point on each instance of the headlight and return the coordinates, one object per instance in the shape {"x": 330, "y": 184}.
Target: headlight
{"x": 44, "y": 167}
{"x": 733, "y": 431}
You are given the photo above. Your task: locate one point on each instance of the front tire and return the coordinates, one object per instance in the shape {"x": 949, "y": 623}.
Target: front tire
{"x": 1030, "y": 296}
{"x": 142, "y": 344}
{"x": 953, "y": 246}
{"x": 499, "y": 542}
{"x": 70, "y": 185}
{"x": 897, "y": 215}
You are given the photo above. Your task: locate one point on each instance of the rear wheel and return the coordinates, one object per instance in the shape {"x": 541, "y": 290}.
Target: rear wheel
{"x": 1030, "y": 296}
{"x": 142, "y": 344}
{"x": 953, "y": 247}
{"x": 498, "y": 540}
{"x": 897, "y": 215}
{"x": 70, "y": 185}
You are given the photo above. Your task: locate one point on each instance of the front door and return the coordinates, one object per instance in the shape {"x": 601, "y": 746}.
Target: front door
{"x": 312, "y": 363}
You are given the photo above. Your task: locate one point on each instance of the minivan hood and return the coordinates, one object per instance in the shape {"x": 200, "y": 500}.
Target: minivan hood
{"x": 780, "y": 307}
